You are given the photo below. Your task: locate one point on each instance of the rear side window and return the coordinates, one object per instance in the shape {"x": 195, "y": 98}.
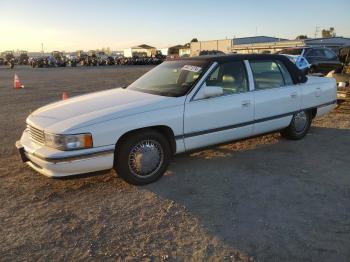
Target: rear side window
{"x": 267, "y": 74}
{"x": 315, "y": 53}
{"x": 329, "y": 54}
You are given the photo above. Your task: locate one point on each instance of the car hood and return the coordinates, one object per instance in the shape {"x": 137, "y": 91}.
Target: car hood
{"x": 77, "y": 112}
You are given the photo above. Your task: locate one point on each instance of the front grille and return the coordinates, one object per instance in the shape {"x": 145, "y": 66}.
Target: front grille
{"x": 36, "y": 134}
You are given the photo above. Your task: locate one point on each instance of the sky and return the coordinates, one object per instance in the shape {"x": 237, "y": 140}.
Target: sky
{"x": 69, "y": 25}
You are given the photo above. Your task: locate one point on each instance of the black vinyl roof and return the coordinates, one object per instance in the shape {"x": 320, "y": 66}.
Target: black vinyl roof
{"x": 235, "y": 57}
{"x": 297, "y": 75}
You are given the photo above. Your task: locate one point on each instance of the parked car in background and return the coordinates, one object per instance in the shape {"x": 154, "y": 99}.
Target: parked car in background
{"x": 211, "y": 52}
{"x": 110, "y": 60}
{"x": 72, "y": 60}
{"x": 43, "y": 61}
{"x": 23, "y": 58}
{"x": 60, "y": 58}
{"x": 178, "y": 106}
{"x": 82, "y": 56}
{"x": 8, "y": 57}
{"x": 321, "y": 60}
{"x": 342, "y": 74}
{"x": 102, "y": 58}
{"x": 138, "y": 60}
{"x": 91, "y": 59}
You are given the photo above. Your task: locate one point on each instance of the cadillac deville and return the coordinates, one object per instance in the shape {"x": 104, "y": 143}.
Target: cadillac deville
{"x": 176, "y": 107}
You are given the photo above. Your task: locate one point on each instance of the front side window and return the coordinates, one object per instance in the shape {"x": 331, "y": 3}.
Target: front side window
{"x": 232, "y": 77}
{"x": 266, "y": 74}
{"x": 171, "y": 78}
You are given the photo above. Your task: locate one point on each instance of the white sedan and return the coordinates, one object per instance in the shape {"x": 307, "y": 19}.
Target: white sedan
{"x": 178, "y": 106}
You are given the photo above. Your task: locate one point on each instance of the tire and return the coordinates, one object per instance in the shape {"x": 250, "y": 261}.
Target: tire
{"x": 312, "y": 70}
{"x": 299, "y": 126}
{"x": 147, "y": 149}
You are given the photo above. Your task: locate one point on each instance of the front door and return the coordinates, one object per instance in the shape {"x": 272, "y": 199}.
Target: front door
{"x": 214, "y": 120}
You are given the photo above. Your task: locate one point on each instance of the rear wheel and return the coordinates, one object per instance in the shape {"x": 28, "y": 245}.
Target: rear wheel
{"x": 299, "y": 126}
{"x": 143, "y": 157}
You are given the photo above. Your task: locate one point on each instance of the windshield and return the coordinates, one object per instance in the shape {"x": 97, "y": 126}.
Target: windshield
{"x": 171, "y": 78}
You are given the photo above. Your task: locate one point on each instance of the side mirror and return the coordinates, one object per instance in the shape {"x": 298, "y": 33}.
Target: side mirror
{"x": 209, "y": 91}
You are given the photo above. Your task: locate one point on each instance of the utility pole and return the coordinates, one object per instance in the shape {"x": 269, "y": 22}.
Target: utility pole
{"x": 42, "y": 48}
{"x": 317, "y": 30}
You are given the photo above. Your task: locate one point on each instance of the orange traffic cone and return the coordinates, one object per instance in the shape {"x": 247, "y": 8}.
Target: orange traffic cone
{"x": 65, "y": 96}
{"x": 16, "y": 83}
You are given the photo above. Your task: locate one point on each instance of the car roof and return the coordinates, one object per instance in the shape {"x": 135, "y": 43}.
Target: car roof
{"x": 297, "y": 47}
{"x": 297, "y": 75}
{"x": 307, "y": 47}
{"x": 235, "y": 57}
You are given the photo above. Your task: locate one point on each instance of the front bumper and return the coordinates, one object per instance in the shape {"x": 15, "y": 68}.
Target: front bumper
{"x": 55, "y": 163}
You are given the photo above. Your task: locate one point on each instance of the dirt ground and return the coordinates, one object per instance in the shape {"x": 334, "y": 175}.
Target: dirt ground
{"x": 262, "y": 199}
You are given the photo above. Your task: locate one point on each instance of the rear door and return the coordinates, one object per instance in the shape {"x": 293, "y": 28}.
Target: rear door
{"x": 276, "y": 96}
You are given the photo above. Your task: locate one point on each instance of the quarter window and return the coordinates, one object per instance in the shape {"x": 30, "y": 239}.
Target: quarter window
{"x": 267, "y": 74}
{"x": 231, "y": 77}
{"x": 286, "y": 75}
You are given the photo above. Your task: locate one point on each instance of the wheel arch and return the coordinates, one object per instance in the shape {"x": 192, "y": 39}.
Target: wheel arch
{"x": 163, "y": 129}
{"x": 313, "y": 112}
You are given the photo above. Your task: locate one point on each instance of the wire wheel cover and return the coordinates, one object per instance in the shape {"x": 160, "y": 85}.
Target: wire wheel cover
{"x": 300, "y": 121}
{"x": 145, "y": 158}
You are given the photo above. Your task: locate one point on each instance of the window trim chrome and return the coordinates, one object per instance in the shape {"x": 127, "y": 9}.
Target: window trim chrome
{"x": 199, "y": 84}
{"x": 275, "y": 61}
{"x": 250, "y": 75}
{"x": 211, "y": 69}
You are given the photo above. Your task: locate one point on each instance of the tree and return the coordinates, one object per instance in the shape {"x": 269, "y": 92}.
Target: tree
{"x": 300, "y": 37}
{"x": 327, "y": 33}
{"x": 194, "y": 40}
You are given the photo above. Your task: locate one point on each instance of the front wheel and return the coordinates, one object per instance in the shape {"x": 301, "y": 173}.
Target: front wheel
{"x": 143, "y": 157}
{"x": 299, "y": 126}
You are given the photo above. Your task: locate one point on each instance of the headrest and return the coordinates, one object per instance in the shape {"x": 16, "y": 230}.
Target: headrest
{"x": 228, "y": 79}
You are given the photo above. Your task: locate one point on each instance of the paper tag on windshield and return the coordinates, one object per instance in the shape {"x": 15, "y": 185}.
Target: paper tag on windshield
{"x": 191, "y": 68}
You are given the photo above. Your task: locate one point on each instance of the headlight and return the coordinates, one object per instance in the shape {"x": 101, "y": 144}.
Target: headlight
{"x": 68, "y": 142}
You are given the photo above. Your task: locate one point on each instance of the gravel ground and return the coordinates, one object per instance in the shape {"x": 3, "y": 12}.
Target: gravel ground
{"x": 262, "y": 199}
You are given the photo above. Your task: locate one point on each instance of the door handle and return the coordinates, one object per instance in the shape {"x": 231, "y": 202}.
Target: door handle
{"x": 294, "y": 95}
{"x": 245, "y": 103}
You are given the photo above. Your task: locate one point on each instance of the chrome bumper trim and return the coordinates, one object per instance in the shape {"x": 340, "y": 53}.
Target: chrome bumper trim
{"x": 82, "y": 156}
{"x": 76, "y": 157}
